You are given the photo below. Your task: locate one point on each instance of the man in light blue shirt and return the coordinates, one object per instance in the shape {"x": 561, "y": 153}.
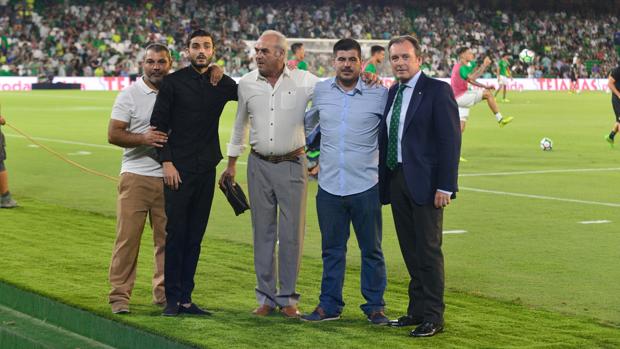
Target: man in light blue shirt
{"x": 348, "y": 113}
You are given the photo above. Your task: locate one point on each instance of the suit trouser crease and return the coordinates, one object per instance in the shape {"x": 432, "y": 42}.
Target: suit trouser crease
{"x": 138, "y": 197}
{"x": 188, "y": 210}
{"x": 336, "y": 214}
{"x": 419, "y": 231}
{"x": 277, "y": 195}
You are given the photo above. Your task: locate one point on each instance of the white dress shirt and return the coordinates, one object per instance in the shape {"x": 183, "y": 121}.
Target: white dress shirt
{"x": 273, "y": 114}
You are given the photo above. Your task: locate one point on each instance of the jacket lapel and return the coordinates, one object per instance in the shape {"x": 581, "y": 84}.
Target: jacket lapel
{"x": 416, "y": 99}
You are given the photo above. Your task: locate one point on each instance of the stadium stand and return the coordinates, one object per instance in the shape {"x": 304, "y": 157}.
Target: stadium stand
{"x": 102, "y": 38}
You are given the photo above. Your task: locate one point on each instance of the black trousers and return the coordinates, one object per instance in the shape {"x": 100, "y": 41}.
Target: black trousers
{"x": 615, "y": 102}
{"x": 419, "y": 230}
{"x": 188, "y": 211}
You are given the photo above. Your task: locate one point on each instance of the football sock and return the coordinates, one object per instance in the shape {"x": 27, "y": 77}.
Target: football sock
{"x": 498, "y": 116}
{"x": 612, "y": 134}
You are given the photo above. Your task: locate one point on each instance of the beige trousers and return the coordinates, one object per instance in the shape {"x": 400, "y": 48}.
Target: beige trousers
{"x": 137, "y": 196}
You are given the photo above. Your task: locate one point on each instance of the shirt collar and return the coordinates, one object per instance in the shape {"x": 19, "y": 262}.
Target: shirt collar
{"x": 357, "y": 89}
{"x": 144, "y": 87}
{"x": 414, "y": 80}
{"x": 195, "y": 74}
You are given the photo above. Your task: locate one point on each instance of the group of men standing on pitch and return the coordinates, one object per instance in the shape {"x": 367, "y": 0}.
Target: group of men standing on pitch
{"x": 399, "y": 146}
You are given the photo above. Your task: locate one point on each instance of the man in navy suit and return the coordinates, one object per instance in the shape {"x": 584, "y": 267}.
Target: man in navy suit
{"x": 419, "y": 144}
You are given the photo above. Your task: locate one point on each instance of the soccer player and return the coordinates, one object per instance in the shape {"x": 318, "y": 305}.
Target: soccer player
{"x": 300, "y": 53}
{"x": 377, "y": 56}
{"x": 465, "y": 73}
{"x": 574, "y": 75}
{"x": 5, "y": 196}
{"x": 614, "y": 87}
{"x": 503, "y": 75}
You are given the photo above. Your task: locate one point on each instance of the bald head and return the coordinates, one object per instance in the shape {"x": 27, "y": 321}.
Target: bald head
{"x": 271, "y": 49}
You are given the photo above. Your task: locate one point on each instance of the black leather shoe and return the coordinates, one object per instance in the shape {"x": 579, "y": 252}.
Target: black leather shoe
{"x": 427, "y": 329}
{"x": 193, "y": 309}
{"x": 171, "y": 309}
{"x": 404, "y": 321}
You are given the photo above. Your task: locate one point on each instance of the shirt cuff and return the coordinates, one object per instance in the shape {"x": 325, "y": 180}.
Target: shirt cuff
{"x": 235, "y": 150}
{"x": 445, "y": 192}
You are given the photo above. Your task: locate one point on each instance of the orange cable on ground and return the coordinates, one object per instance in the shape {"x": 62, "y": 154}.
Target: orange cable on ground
{"x": 62, "y": 157}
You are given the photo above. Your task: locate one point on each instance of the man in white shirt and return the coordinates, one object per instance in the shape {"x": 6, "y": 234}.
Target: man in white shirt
{"x": 272, "y": 103}
{"x": 140, "y": 190}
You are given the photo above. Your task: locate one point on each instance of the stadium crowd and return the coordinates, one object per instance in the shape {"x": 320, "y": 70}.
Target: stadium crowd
{"x": 97, "y": 38}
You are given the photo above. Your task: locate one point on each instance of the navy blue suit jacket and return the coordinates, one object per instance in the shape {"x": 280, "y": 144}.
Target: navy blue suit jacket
{"x": 431, "y": 142}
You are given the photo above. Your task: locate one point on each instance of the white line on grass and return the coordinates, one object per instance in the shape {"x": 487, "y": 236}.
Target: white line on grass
{"x": 455, "y": 231}
{"x": 80, "y": 152}
{"x": 541, "y": 197}
{"x": 602, "y": 221}
{"x": 62, "y": 141}
{"x": 514, "y": 173}
{"x": 66, "y": 142}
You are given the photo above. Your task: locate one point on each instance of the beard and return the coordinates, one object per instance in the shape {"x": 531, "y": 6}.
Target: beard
{"x": 348, "y": 80}
{"x": 195, "y": 64}
{"x": 155, "y": 80}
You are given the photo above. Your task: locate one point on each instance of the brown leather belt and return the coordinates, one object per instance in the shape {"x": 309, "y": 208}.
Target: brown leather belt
{"x": 292, "y": 156}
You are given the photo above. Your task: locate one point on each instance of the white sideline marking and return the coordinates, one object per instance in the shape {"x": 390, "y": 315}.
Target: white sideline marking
{"x": 80, "y": 152}
{"x": 455, "y": 231}
{"x": 539, "y": 172}
{"x": 542, "y": 197}
{"x": 513, "y": 173}
{"x": 602, "y": 221}
{"x": 62, "y": 141}
{"x": 67, "y": 142}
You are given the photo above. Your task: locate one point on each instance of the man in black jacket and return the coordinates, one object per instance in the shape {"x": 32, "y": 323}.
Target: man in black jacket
{"x": 188, "y": 109}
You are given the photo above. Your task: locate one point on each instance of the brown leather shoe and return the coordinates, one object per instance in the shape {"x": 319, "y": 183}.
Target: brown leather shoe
{"x": 263, "y": 310}
{"x": 290, "y": 311}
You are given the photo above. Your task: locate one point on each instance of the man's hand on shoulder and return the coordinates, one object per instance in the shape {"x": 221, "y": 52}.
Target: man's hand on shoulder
{"x": 216, "y": 72}
{"x": 371, "y": 79}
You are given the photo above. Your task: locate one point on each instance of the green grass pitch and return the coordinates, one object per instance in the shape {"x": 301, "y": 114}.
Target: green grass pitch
{"x": 527, "y": 272}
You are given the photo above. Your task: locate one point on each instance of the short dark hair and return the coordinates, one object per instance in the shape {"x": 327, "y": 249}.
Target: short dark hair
{"x": 158, "y": 47}
{"x": 296, "y": 46}
{"x": 376, "y": 48}
{"x": 461, "y": 50}
{"x": 346, "y": 45}
{"x": 197, "y": 33}
{"x": 404, "y": 38}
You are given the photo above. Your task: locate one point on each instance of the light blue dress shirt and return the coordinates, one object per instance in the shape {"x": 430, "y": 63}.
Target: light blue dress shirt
{"x": 349, "y": 122}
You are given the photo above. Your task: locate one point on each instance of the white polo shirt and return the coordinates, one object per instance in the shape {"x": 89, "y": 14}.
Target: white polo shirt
{"x": 134, "y": 105}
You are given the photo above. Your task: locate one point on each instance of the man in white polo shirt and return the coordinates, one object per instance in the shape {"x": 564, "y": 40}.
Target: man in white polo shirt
{"x": 140, "y": 190}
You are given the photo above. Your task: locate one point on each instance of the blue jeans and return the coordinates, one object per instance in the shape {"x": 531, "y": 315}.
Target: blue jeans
{"x": 336, "y": 213}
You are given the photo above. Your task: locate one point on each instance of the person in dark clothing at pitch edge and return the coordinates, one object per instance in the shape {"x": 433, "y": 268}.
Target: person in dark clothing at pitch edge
{"x": 188, "y": 109}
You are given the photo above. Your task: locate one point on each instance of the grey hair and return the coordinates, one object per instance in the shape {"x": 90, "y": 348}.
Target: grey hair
{"x": 282, "y": 43}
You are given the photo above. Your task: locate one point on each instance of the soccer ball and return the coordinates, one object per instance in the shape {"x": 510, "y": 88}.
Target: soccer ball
{"x": 546, "y": 144}
{"x": 526, "y": 56}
